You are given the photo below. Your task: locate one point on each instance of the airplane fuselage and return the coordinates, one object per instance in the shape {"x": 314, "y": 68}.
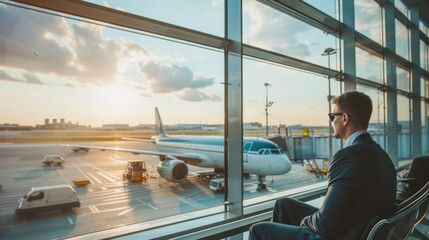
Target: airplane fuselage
{"x": 260, "y": 156}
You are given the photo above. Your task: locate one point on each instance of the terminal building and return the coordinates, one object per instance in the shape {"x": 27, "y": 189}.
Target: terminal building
{"x": 60, "y": 125}
{"x": 278, "y": 62}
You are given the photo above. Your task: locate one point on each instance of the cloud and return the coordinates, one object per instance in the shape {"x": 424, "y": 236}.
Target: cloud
{"x": 23, "y": 78}
{"x": 196, "y": 96}
{"x": 52, "y": 45}
{"x": 275, "y": 31}
{"x": 171, "y": 78}
{"x": 78, "y": 54}
{"x": 165, "y": 78}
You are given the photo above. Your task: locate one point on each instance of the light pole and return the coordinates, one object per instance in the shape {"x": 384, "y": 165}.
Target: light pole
{"x": 267, "y": 105}
{"x": 328, "y": 52}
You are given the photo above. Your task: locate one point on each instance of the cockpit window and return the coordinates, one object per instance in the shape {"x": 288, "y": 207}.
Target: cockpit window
{"x": 275, "y": 151}
{"x": 264, "y": 152}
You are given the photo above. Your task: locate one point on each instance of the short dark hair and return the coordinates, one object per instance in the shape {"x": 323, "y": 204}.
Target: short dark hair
{"x": 357, "y": 105}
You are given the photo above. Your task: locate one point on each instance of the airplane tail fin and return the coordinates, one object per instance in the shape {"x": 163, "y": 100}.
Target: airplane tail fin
{"x": 159, "y": 127}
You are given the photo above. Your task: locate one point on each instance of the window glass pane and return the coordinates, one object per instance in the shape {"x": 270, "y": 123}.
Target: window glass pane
{"x": 369, "y": 66}
{"x": 377, "y": 121}
{"x": 204, "y": 15}
{"x": 327, "y": 6}
{"x": 423, "y": 27}
{"x": 296, "y": 105}
{"x": 404, "y": 133}
{"x": 368, "y": 19}
{"x": 66, "y": 81}
{"x": 268, "y": 29}
{"x": 424, "y": 55}
{"x": 402, "y": 8}
{"x": 402, "y": 43}
{"x": 424, "y": 88}
{"x": 402, "y": 79}
{"x": 425, "y": 127}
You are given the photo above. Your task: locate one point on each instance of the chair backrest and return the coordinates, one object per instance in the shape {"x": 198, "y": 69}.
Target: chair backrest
{"x": 419, "y": 171}
{"x": 401, "y": 222}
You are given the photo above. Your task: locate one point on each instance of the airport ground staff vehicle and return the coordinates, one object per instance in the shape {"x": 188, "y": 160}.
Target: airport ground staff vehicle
{"x": 135, "y": 171}
{"x": 53, "y": 159}
{"x": 48, "y": 198}
{"x": 78, "y": 182}
{"x": 217, "y": 185}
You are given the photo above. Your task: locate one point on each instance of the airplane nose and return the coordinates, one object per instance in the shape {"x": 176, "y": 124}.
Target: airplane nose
{"x": 287, "y": 166}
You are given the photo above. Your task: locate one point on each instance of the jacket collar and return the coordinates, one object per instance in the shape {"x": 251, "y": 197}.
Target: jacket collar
{"x": 353, "y": 137}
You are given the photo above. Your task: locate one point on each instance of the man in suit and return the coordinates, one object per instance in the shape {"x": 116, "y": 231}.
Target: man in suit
{"x": 361, "y": 183}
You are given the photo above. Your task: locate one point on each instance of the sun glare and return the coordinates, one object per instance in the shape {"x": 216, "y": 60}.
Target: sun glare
{"x": 117, "y": 96}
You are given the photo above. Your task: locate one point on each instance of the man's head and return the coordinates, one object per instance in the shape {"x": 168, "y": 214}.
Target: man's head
{"x": 351, "y": 113}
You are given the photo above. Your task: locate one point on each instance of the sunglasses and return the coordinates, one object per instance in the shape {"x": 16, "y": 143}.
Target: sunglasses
{"x": 332, "y": 115}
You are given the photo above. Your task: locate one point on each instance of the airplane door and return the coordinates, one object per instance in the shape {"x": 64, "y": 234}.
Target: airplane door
{"x": 246, "y": 148}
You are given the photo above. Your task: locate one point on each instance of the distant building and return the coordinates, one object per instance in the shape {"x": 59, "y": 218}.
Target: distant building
{"x": 61, "y": 125}
{"x": 14, "y": 127}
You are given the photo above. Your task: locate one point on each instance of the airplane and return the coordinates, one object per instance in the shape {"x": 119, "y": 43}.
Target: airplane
{"x": 260, "y": 156}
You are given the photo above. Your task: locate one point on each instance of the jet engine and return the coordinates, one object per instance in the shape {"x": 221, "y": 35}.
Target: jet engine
{"x": 173, "y": 170}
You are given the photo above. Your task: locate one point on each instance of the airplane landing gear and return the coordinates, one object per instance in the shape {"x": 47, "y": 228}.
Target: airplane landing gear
{"x": 261, "y": 185}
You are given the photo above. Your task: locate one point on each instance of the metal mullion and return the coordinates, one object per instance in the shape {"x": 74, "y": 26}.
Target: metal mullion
{"x": 277, "y": 58}
{"x": 306, "y": 13}
{"x": 127, "y": 20}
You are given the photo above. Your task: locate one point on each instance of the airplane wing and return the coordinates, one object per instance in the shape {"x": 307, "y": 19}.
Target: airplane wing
{"x": 190, "y": 158}
{"x": 139, "y": 140}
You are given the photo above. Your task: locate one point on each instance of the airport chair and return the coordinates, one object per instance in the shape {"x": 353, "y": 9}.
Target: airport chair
{"x": 401, "y": 223}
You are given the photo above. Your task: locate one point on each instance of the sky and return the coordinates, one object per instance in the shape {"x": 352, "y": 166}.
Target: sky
{"x": 55, "y": 67}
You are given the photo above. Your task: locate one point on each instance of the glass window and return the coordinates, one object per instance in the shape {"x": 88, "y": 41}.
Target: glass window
{"x": 402, "y": 8}
{"x": 369, "y": 66}
{"x": 425, "y": 127}
{"x": 403, "y": 79}
{"x": 204, "y": 15}
{"x": 422, "y": 26}
{"x": 377, "y": 121}
{"x": 329, "y": 7}
{"x": 404, "y": 128}
{"x": 64, "y": 80}
{"x": 424, "y": 55}
{"x": 402, "y": 40}
{"x": 368, "y": 19}
{"x": 295, "y": 104}
{"x": 266, "y": 28}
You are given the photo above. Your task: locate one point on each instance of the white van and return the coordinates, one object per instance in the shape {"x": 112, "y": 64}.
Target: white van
{"x": 217, "y": 185}
{"x": 49, "y": 198}
{"x": 53, "y": 159}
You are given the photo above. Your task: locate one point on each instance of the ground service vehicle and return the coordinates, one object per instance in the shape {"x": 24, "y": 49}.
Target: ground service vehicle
{"x": 78, "y": 182}
{"x": 48, "y": 198}
{"x": 217, "y": 185}
{"x": 135, "y": 171}
{"x": 53, "y": 159}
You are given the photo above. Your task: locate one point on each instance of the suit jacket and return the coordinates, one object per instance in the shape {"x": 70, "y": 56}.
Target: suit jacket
{"x": 361, "y": 185}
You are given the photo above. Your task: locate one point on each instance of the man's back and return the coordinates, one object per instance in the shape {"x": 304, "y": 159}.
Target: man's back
{"x": 362, "y": 185}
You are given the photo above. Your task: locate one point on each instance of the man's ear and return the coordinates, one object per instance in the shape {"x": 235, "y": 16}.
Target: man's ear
{"x": 346, "y": 119}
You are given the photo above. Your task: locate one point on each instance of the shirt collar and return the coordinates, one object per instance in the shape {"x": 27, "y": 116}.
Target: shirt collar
{"x": 352, "y": 137}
